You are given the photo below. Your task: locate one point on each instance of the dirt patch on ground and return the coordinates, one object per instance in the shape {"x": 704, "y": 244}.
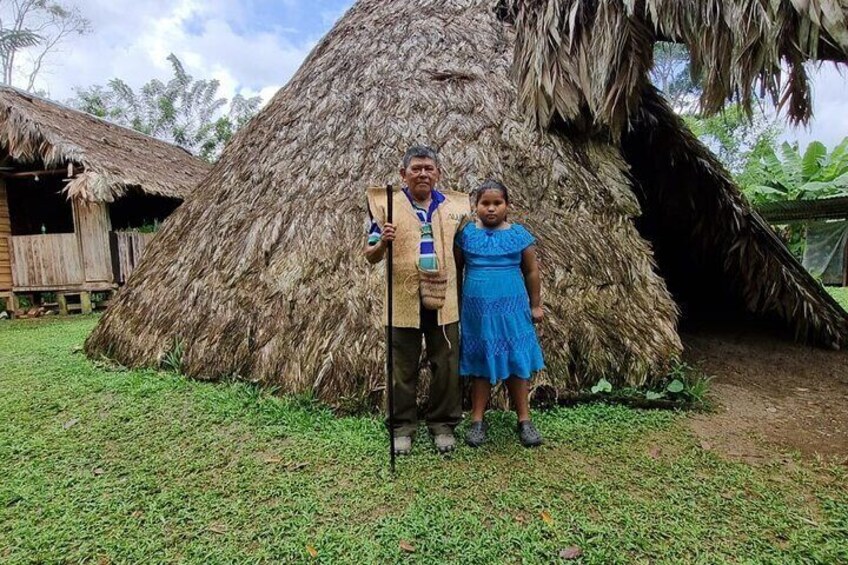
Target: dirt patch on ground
{"x": 772, "y": 396}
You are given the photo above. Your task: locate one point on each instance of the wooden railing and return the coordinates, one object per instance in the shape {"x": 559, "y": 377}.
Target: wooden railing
{"x": 40, "y": 261}
{"x": 127, "y": 248}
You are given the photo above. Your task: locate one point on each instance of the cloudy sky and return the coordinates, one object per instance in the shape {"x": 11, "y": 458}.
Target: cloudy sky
{"x": 254, "y": 46}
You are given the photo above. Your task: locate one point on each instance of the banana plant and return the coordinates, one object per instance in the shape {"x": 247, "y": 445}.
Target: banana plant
{"x": 793, "y": 176}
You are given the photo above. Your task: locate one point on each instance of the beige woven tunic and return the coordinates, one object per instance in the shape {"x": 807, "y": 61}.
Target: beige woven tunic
{"x": 406, "y": 249}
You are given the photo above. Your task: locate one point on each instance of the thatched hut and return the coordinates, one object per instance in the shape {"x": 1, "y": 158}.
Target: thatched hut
{"x": 71, "y": 187}
{"x": 263, "y": 279}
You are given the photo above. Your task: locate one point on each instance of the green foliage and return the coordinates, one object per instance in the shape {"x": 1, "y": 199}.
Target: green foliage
{"x": 684, "y": 386}
{"x": 688, "y": 382}
{"x": 185, "y": 111}
{"x": 173, "y": 359}
{"x": 603, "y": 385}
{"x": 675, "y": 387}
{"x": 841, "y": 295}
{"x": 789, "y": 175}
{"x": 147, "y": 227}
{"x": 784, "y": 174}
{"x": 135, "y": 466}
{"x": 737, "y": 139}
{"x": 12, "y": 40}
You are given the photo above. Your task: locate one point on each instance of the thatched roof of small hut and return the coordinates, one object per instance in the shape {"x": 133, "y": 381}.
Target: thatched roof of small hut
{"x": 113, "y": 158}
{"x": 263, "y": 278}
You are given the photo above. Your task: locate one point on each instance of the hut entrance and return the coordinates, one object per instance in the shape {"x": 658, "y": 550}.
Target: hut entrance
{"x": 695, "y": 277}
{"x": 680, "y": 218}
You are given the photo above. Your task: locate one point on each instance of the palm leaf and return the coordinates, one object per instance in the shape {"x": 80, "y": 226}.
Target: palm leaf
{"x": 15, "y": 39}
{"x": 570, "y": 54}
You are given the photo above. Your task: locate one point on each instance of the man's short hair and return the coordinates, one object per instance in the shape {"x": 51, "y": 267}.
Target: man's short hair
{"x": 420, "y": 152}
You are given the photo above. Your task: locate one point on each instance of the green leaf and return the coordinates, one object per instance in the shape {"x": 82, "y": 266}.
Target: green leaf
{"x": 675, "y": 387}
{"x": 602, "y": 386}
{"x": 841, "y": 181}
{"x": 813, "y": 156}
{"x": 792, "y": 162}
{"x": 652, "y": 395}
{"x": 816, "y": 189}
{"x": 763, "y": 189}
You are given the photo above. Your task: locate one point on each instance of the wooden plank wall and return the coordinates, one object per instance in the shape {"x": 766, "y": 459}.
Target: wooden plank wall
{"x": 92, "y": 224}
{"x": 46, "y": 260}
{"x": 130, "y": 247}
{"x": 5, "y": 242}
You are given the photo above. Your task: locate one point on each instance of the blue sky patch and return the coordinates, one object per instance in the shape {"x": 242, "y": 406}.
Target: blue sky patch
{"x": 300, "y": 20}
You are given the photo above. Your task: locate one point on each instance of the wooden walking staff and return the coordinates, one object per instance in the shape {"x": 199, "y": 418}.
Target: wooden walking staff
{"x": 389, "y": 341}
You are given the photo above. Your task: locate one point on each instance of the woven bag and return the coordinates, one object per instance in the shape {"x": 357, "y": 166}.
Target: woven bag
{"x": 433, "y": 286}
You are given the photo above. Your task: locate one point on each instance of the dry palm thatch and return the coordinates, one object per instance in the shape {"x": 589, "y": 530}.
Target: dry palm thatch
{"x": 709, "y": 242}
{"x": 37, "y": 131}
{"x": 587, "y": 61}
{"x": 261, "y": 275}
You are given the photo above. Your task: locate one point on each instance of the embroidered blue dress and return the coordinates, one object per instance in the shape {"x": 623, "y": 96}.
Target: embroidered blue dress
{"x": 498, "y": 337}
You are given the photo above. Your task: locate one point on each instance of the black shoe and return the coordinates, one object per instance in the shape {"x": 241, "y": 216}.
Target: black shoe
{"x": 476, "y": 435}
{"x": 528, "y": 435}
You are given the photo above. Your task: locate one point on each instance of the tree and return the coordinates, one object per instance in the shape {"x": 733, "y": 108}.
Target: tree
{"x": 15, "y": 40}
{"x": 183, "y": 111}
{"x": 33, "y": 30}
{"x": 672, "y": 75}
{"x": 737, "y": 139}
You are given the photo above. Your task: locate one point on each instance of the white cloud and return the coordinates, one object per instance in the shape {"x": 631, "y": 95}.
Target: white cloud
{"x": 830, "y": 106}
{"x": 214, "y": 38}
{"x": 132, "y": 40}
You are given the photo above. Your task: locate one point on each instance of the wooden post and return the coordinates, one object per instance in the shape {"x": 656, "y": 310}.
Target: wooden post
{"x": 85, "y": 302}
{"x": 63, "y": 304}
{"x": 12, "y": 303}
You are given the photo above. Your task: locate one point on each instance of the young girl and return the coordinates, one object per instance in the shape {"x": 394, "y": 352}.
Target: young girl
{"x": 500, "y": 303}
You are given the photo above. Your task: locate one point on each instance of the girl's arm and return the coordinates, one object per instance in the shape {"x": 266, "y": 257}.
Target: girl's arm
{"x": 533, "y": 282}
{"x": 459, "y": 258}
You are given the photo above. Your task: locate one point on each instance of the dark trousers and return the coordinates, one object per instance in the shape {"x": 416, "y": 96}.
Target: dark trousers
{"x": 444, "y": 408}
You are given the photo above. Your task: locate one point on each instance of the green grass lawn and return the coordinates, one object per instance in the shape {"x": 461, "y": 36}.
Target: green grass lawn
{"x": 100, "y": 466}
{"x": 840, "y": 294}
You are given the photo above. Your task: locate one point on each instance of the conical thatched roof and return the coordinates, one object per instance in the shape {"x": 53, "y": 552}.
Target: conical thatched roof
{"x": 114, "y": 158}
{"x": 263, "y": 277}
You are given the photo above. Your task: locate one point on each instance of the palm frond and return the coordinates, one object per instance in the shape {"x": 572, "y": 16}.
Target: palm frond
{"x": 586, "y": 61}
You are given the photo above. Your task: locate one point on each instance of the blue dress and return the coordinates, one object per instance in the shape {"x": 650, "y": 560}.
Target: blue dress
{"x": 498, "y": 337}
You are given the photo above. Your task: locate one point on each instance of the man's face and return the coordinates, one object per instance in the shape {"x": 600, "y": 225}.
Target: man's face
{"x": 421, "y": 176}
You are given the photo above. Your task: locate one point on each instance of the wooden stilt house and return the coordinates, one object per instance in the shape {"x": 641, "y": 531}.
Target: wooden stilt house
{"x": 79, "y": 198}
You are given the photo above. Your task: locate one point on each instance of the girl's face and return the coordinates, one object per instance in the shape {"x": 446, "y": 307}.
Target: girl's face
{"x": 491, "y": 207}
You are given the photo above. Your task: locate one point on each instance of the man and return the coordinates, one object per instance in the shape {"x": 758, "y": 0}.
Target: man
{"x": 425, "y": 222}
